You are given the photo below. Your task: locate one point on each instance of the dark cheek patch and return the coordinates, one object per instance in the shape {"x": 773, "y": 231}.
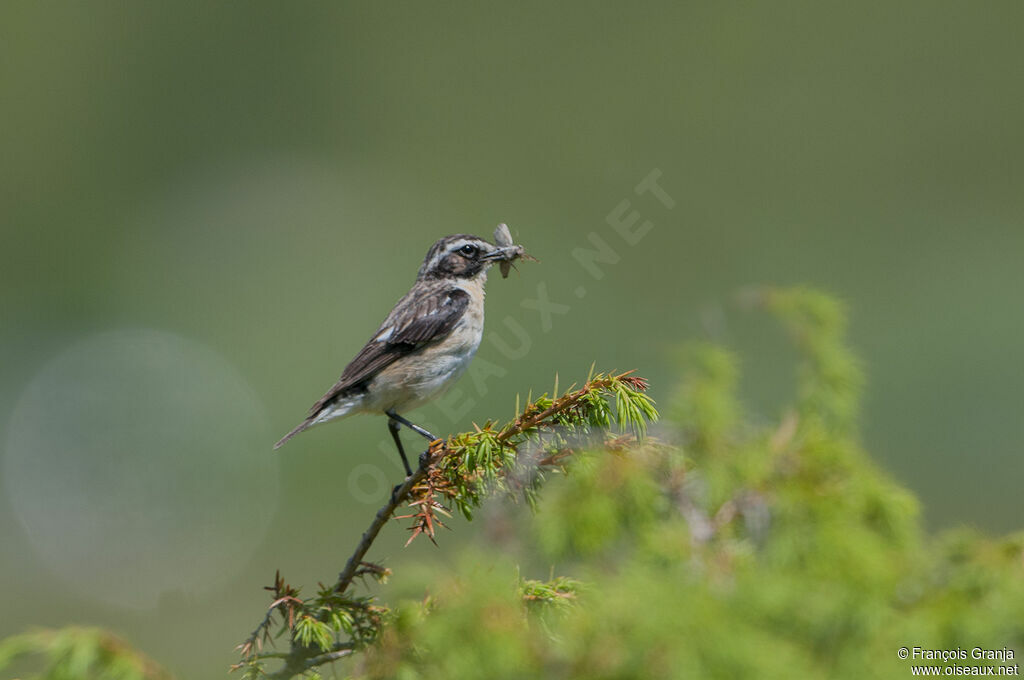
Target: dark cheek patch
{"x": 453, "y": 265}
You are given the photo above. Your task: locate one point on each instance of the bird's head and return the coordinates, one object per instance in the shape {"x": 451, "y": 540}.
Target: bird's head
{"x": 463, "y": 256}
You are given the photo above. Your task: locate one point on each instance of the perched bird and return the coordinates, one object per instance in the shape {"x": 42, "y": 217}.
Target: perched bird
{"x": 425, "y": 343}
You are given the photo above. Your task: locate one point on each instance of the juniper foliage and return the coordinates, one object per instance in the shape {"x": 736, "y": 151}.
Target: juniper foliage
{"x": 78, "y": 653}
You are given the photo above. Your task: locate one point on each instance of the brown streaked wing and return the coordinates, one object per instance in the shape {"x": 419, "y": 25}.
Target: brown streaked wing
{"x": 420, "y": 318}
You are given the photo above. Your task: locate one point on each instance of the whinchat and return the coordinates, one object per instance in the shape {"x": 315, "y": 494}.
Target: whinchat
{"x": 425, "y": 343}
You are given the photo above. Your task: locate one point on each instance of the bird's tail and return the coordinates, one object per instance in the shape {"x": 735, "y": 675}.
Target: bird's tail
{"x": 302, "y": 426}
{"x": 337, "y": 408}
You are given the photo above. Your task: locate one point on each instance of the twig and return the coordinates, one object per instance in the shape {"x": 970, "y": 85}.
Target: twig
{"x": 399, "y": 497}
{"x": 299, "y": 663}
{"x": 285, "y": 595}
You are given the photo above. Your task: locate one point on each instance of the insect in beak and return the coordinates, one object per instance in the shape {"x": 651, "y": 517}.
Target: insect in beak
{"x": 507, "y": 251}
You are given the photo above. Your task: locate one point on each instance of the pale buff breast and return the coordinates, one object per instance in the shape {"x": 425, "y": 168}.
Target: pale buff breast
{"x": 417, "y": 378}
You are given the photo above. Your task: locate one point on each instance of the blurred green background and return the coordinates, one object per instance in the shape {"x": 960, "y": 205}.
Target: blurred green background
{"x": 206, "y": 210}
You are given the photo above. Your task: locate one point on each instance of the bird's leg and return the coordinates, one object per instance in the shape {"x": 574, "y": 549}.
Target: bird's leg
{"x": 393, "y": 427}
{"x": 393, "y": 420}
{"x": 412, "y": 426}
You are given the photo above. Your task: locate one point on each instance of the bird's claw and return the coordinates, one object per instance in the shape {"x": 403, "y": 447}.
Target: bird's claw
{"x": 394, "y": 493}
{"x": 425, "y": 457}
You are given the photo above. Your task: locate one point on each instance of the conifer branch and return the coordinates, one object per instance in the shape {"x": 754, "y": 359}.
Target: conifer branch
{"x": 461, "y": 470}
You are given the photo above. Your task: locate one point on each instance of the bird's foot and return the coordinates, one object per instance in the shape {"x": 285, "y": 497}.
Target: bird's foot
{"x": 426, "y": 455}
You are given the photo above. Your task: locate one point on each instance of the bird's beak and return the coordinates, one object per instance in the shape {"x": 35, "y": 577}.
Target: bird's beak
{"x": 507, "y": 253}
{"x": 506, "y": 256}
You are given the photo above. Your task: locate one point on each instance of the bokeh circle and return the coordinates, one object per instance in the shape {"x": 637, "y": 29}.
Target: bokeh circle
{"x": 137, "y": 463}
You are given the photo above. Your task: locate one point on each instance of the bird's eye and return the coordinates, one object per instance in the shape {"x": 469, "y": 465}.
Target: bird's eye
{"x": 468, "y": 250}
